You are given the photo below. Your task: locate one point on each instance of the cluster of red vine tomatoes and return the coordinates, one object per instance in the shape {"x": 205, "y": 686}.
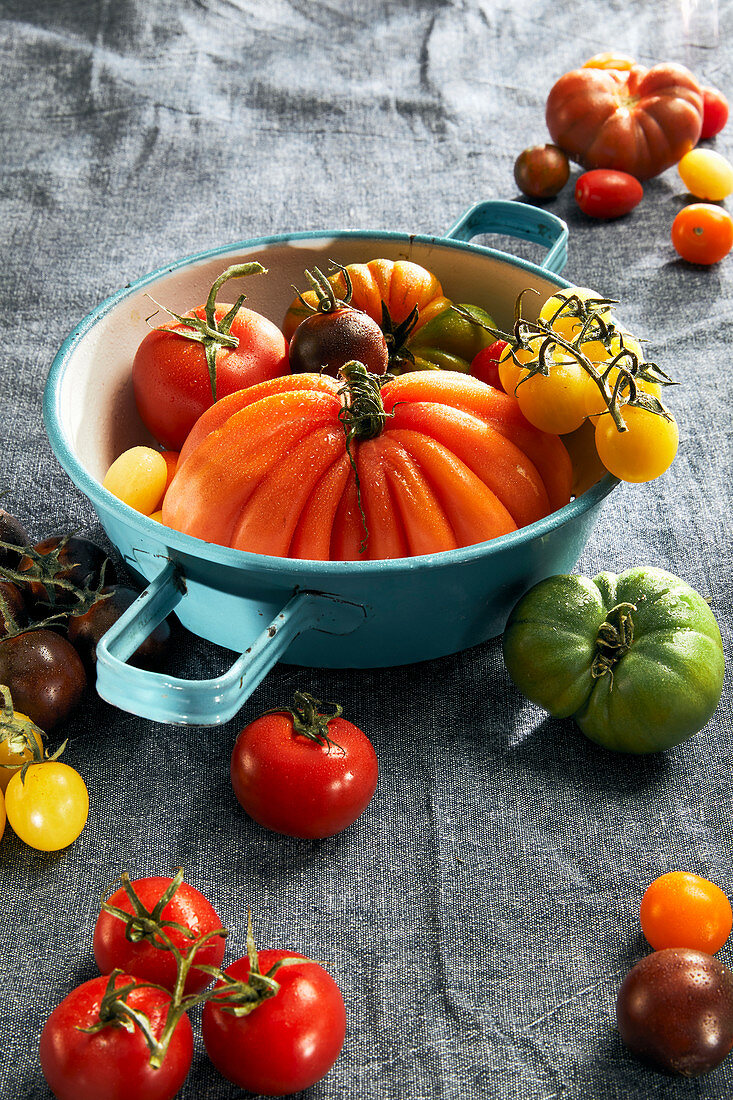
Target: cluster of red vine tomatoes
{"x": 273, "y": 1021}
{"x": 675, "y": 1007}
{"x": 383, "y": 420}
{"x": 599, "y": 114}
{"x": 58, "y": 596}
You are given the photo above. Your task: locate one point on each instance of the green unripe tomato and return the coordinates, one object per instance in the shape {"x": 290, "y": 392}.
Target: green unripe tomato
{"x": 449, "y": 342}
{"x": 635, "y": 658}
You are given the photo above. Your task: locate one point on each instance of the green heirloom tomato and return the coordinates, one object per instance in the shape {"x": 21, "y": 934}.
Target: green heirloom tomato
{"x": 448, "y": 341}
{"x": 635, "y": 658}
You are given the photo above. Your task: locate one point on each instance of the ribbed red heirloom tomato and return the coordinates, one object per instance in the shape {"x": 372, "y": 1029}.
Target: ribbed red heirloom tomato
{"x": 289, "y": 1041}
{"x": 640, "y": 121}
{"x": 146, "y": 957}
{"x": 305, "y": 771}
{"x": 310, "y": 467}
{"x": 114, "y": 1062}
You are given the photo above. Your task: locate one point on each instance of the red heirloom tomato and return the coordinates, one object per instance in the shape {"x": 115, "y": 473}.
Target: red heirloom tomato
{"x": 289, "y": 1041}
{"x": 449, "y": 462}
{"x": 606, "y": 193}
{"x": 112, "y": 1062}
{"x": 304, "y": 771}
{"x": 176, "y": 374}
{"x": 702, "y": 234}
{"x": 640, "y": 121}
{"x": 146, "y": 957}
{"x": 715, "y": 112}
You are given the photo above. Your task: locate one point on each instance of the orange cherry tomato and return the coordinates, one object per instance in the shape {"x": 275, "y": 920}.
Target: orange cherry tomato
{"x": 702, "y": 234}
{"x": 681, "y": 909}
{"x": 609, "y": 60}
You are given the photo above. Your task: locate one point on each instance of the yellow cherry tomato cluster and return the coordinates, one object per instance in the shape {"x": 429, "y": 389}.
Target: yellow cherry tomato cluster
{"x": 45, "y": 802}
{"x": 576, "y": 363}
{"x": 140, "y": 478}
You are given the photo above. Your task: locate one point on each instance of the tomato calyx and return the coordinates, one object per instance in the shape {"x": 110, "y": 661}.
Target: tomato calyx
{"x": 239, "y": 998}
{"x": 310, "y": 718}
{"x": 18, "y": 731}
{"x": 207, "y": 330}
{"x": 396, "y": 337}
{"x": 614, "y": 639}
{"x": 327, "y": 300}
{"x": 362, "y": 416}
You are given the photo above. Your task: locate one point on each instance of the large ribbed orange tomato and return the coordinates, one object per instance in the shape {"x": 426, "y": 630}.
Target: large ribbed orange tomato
{"x": 399, "y": 284}
{"x": 307, "y": 466}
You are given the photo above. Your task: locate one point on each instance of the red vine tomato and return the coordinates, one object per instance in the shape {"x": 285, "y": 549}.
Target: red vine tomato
{"x": 113, "y": 1062}
{"x": 702, "y": 234}
{"x": 289, "y": 1041}
{"x": 485, "y": 365}
{"x": 147, "y": 957}
{"x": 715, "y": 112}
{"x": 303, "y": 772}
{"x": 47, "y": 805}
{"x": 680, "y": 909}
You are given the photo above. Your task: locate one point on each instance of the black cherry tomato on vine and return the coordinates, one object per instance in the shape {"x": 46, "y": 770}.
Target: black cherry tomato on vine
{"x": 680, "y": 909}
{"x": 605, "y": 193}
{"x": 113, "y": 1062}
{"x": 714, "y": 112}
{"x": 304, "y": 772}
{"x": 702, "y": 233}
{"x": 67, "y": 558}
{"x": 86, "y": 630}
{"x": 336, "y": 333}
{"x": 147, "y": 957}
{"x": 541, "y": 171}
{"x": 44, "y": 673}
{"x": 289, "y": 1041}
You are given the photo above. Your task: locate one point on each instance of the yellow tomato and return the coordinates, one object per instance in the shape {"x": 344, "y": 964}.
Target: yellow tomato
{"x": 511, "y": 362}
{"x": 48, "y": 806}
{"x": 138, "y": 478}
{"x": 567, "y": 310}
{"x": 2, "y": 814}
{"x": 16, "y": 749}
{"x": 706, "y": 174}
{"x": 609, "y": 60}
{"x": 554, "y": 402}
{"x": 641, "y": 453}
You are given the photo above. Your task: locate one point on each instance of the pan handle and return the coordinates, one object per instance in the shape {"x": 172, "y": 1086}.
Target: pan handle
{"x": 165, "y": 698}
{"x": 516, "y": 219}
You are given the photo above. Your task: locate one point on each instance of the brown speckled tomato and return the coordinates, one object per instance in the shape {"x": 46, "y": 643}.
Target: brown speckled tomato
{"x": 541, "y": 171}
{"x": 45, "y": 675}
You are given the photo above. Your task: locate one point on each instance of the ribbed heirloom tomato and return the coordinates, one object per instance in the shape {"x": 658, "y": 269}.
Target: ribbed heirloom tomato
{"x": 308, "y": 467}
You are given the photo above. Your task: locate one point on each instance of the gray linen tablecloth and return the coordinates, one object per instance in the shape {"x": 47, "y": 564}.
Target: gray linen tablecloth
{"x": 480, "y": 916}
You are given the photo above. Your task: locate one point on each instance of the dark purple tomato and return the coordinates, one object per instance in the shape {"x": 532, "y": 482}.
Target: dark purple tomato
{"x": 675, "y": 1010}
{"x": 12, "y": 607}
{"x": 80, "y": 561}
{"x": 45, "y": 675}
{"x": 541, "y": 171}
{"x": 323, "y": 342}
{"x": 85, "y": 631}
{"x": 11, "y": 531}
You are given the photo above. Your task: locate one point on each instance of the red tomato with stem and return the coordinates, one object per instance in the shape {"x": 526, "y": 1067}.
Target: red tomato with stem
{"x": 714, "y": 112}
{"x": 113, "y": 1062}
{"x": 702, "y": 233}
{"x": 180, "y": 370}
{"x": 305, "y": 772}
{"x": 606, "y": 193}
{"x": 289, "y": 1041}
{"x": 169, "y": 901}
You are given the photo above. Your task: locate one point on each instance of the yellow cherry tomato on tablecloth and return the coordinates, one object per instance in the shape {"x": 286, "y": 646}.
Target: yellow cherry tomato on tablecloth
{"x": 48, "y": 805}
{"x": 14, "y": 753}
{"x": 706, "y": 174}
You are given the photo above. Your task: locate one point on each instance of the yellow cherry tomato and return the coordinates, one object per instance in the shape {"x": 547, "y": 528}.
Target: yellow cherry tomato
{"x": 641, "y": 453}
{"x": 48, "y": 806}
{"x": 2, "y": 814}
{"x": 600, "y": 356}
{"x": 138, "y": 478}
{"x": 511, "y": 362}
{"x": 566, "y": 310}
{"x": 16, "y": 749}
{"x": 554, "y": 402}
{"x": 706, "y": 174}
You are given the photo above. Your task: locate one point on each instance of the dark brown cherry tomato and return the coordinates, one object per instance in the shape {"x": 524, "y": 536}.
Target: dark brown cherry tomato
{"x": 11, "y": 531}
{"x": 675, "y": 1010}
{"x": 80, "y": 562}
{"x": 12, "y": 602}
{"x": 606, "y": 193}
{"x": 84, "y": 631}
{"x": 541, "y": 171}
{"x": 45, "y": 675}
{"x": 325, "y": 341}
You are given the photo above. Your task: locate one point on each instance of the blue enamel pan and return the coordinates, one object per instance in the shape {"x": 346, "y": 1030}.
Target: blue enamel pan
{"x": 318, "y": 614}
